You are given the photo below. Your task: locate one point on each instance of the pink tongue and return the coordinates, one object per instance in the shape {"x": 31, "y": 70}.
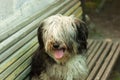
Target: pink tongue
{"x": 59, "y": 54}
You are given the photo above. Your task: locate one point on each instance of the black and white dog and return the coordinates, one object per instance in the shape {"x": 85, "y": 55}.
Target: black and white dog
{"x": 62, "y": 45}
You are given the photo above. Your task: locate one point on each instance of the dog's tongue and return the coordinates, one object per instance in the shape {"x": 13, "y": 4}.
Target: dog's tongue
{"x": 58, "y": 54}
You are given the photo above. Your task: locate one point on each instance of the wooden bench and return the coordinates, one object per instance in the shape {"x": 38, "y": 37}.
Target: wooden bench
{"x": 101, "y": 57}
{"x": 19, "y": 42}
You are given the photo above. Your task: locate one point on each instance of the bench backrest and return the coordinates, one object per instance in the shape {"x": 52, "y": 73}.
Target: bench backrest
{"x": 19, "y": 40}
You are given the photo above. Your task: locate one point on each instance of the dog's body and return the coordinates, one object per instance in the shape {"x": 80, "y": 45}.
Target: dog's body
{"x": 60, "y": 56}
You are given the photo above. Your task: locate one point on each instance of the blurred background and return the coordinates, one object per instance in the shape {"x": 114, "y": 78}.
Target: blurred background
{"x": 105, "y": 18}
{"x": 104, "y": 23}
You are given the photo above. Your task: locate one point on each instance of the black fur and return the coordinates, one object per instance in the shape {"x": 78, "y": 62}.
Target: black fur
{"x": 39, "y": 34}
{"x": 40, "y": 62}
{"x": 82, "y": 34}
{"x": 40, "y": 58}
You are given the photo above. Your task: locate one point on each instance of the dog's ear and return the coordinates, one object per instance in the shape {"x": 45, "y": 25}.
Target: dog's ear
{"x": 40, "y": 35}
{"x": 82, "y": 34}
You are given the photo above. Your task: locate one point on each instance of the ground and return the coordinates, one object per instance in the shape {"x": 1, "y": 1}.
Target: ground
{"x": 107, "y": 21}
{"x": 106, "y": 24}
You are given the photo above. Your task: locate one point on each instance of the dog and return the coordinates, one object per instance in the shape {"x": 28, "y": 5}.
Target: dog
{"x": 62, "y": 48}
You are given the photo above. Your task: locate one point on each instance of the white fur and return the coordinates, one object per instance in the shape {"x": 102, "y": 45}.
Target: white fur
{"x": 75, "y": 69}
{"x": 59, "y": 28}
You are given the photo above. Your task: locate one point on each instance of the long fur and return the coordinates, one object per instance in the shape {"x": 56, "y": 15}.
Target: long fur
{"x": 71, "y": 35}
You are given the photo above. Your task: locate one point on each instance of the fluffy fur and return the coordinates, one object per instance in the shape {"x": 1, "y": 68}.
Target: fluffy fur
{"x": 60, "y": 56}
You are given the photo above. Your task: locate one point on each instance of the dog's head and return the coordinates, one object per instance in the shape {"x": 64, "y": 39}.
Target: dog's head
{"x": 62, "y": 37}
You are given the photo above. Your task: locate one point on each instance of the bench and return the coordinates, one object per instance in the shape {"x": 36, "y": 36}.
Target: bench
{"x": 19, "y": 42}
{"x": 101, "y": 57}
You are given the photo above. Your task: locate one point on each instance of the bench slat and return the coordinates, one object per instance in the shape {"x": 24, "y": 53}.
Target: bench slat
{"x": 26, "y": 30}
{"x": 15, "y": 47}
{"x": 22, "y": 75}
{"x": 71, "y": 10}
{"x": 89, "y": 43}
{"x": 91, "y": 48}
{"x": 106, "y": 62}
{"x": 78, "y": 12}
{"x": 17, "y": 55}
{"x": 27, "y": 78}
{"x": 99, "y": 62}
{"x": 16, "y": 37}
{"x": 20, "y": 69}
{"x": 68, "y": 6}
{"x": 18, "y": 62}
{"x": 94, "y": 51}
{"x": 113, "y": 60}
{"x": 97, "y": 54}
{"x": 23, "y": 21}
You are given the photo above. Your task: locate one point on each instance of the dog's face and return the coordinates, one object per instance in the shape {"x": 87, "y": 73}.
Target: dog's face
{"x": 62, "y": 37}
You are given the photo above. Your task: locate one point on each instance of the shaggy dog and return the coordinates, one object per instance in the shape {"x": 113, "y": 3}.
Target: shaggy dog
{"x": 61, "y": 52}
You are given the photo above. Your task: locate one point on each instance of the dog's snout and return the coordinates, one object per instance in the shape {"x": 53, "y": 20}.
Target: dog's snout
{"x": 56, "y": 45}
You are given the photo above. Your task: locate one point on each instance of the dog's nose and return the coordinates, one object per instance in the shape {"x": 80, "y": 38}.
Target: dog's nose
{"x": 56, "y": 45}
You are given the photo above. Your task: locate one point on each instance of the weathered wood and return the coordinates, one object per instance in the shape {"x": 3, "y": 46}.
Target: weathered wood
{"x": 106, "y": 62}
{"x": 26, "y": 29}
{"x": 99, "y": 62}
{"x": 94, "y": 51}
{"x": 18, "y": 43}
{"x": 89, "y": 43}
{"x": 22, "y": 22}
{"x": 72, "y": 9}
{"x": 67, "y": 7}
{"x": 91, "y": 49}
{"x": 78, "y": 12}
{"x": 20, "y": 69}
{"x": 97, "y": 54}
{"x": 11, "y": 63}
{"x": 16, "y": 48}
{"x": 25, "y": 74}
{"x": 112, "y": 62}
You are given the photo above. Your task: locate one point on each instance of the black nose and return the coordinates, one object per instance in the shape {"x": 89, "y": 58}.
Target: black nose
{"x": 56, "y": 45}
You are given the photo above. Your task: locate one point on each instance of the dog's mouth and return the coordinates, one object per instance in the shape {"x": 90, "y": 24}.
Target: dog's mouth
{"x": 59, "y": 53}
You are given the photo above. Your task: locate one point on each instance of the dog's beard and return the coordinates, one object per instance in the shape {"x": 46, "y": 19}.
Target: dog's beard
{"x": 64, "y": 50}
{"x": 74, "y": 69}
{"x": 60, "y": 54}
